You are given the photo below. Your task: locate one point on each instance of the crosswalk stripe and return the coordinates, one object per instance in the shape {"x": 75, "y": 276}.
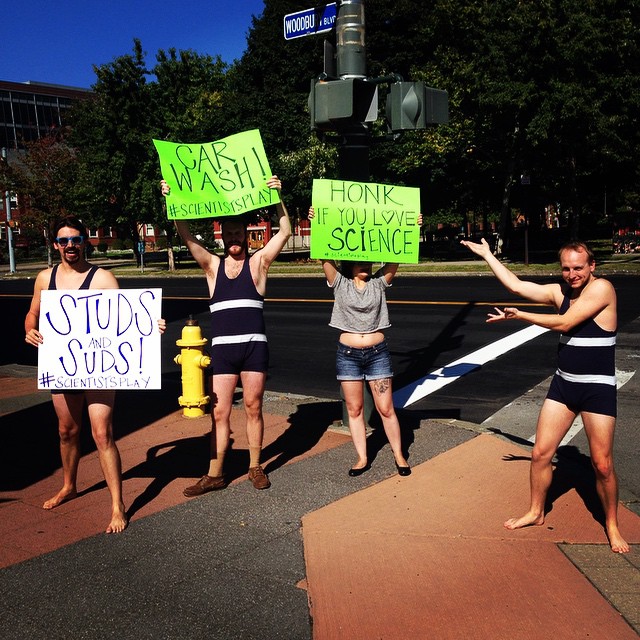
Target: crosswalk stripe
{"x": 439, "y": 378}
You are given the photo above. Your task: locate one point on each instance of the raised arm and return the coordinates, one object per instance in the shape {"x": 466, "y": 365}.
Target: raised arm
{"x": 328, "y": 266}
{"x": 199, "y": 252}
{"x": 388, "y": 271}
{"x": 277, "y": 243}
{"x": 330, "y": 271}
{"x": 530, "y": 290}
{"x": 597, "y": 301}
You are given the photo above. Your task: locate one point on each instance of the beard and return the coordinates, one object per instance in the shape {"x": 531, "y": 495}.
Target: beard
{"x": 72, "y": 254}
{"x": 235, "y": 248}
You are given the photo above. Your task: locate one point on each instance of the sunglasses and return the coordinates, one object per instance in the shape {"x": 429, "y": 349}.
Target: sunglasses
{"x": 76, "y": 240}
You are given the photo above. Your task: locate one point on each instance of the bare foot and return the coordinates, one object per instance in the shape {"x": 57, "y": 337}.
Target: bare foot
{"x": 118, "y": 522}
{"x": 527, "y": 520}
{"x": 62, "y": 496}
{"x": 617, "y": 542}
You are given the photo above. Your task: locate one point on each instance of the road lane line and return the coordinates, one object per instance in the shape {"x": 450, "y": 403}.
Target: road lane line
{"x": 449, "y": 373}
{"x": 622, "y": 377}
{"x": 436, "y": 303}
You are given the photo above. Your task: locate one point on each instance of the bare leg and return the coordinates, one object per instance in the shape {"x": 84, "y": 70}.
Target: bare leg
{"x": 353, "y": 392}
{"x": 600, "y": 430}
{"x": 553, "y": 423}
{"x": 68, "y": 408}
{"x": 383, "y": 398}
{"x": 253, "y": 383}
{"x": 224, "y": 387}
{"x": 100, "y": 406}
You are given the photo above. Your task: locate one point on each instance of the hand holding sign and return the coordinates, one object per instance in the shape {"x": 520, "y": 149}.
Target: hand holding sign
{"x": 365, "y": 221}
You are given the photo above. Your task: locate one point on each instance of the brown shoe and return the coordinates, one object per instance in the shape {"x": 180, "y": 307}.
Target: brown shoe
{"x": 204, "y": 485}
{"x": 259, "y": 478}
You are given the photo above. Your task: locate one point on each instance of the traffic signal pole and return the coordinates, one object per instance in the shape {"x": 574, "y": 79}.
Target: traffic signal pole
{"x": 351, "y": 63}
{"x": 353, "y": 152}
{"x": 345, "y": 101}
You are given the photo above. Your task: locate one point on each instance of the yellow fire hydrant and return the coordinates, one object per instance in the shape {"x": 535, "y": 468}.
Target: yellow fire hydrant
{"x": 193, "y": 363}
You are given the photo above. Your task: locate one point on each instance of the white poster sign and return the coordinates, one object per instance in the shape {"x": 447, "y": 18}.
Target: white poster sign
{"x": 100, "y": 339}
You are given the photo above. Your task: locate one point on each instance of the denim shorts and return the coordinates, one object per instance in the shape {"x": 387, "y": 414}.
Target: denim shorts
{"x": 368, "y": 363}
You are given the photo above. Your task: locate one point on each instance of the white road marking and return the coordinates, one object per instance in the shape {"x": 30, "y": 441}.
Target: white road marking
{"x": 622, "y": 377}
{"x": 451, "y": 372}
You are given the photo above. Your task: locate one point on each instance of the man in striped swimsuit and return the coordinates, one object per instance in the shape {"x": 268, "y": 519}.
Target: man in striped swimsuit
{"x": 584, "y": 382}
{"x": 237, "y": 285}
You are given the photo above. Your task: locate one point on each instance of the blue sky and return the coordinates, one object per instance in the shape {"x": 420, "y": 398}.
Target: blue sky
{"x": 59, "y": 42}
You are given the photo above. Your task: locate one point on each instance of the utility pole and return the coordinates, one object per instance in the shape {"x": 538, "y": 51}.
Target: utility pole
{"x": 351, "y": 63}
{"x": 7, "y": 207}
{"x": 344, "y": 100}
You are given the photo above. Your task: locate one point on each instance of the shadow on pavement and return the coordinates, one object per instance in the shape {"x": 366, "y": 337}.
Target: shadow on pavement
{"x": 31, "y": 452}
{"x": 572, "y": 470}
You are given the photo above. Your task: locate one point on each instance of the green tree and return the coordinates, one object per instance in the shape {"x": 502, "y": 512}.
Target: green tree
{"x": 112, "y": 135}
{"x": 269, "y": 89}
{"x": 549, "y": 89}
{"x": 44, "y": 175}
{"x": 186, "y": 100}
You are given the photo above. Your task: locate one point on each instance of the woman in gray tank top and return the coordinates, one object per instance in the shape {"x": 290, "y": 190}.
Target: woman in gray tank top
{"x": 360, "y": 314}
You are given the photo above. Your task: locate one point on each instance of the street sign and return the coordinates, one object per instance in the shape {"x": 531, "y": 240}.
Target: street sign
{"x": 310, "y": 21}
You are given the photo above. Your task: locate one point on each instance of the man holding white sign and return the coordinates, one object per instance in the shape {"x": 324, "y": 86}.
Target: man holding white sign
{"x": 75, "y": 273}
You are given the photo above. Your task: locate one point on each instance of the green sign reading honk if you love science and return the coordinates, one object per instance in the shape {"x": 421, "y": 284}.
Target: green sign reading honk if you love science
{"x": 365, "y": 221}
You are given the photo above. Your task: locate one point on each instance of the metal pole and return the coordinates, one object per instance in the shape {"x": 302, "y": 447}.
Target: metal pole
{"x": 353, "y": 153}
{"x": 350, "y": 35}
{"x": 7, "y": 206}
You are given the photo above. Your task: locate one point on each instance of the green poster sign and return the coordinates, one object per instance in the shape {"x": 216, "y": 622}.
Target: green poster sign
{"x": 227, "y": 177}
{"x": 365, "y": 221}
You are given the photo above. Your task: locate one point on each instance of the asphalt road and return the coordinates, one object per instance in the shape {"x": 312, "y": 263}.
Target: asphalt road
{"x": 436, "y": 321}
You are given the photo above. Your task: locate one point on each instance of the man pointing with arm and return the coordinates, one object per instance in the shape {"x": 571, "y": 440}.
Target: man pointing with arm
{"x": 584, "y": 382}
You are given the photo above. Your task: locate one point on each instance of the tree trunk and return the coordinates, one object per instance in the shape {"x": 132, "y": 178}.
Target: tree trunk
{"x": 506, "y": 225}
{"x": 576, "y": 208}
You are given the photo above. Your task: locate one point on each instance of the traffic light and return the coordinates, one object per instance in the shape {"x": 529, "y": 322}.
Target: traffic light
{"x": 413, "y": 105}
{"x": 333, "y": 103}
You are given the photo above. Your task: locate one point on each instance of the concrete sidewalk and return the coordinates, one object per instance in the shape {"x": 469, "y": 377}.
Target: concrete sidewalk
{"x": 319, "y": 555}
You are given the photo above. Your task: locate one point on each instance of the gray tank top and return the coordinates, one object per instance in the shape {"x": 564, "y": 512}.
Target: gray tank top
{"x": 360, "y": 310}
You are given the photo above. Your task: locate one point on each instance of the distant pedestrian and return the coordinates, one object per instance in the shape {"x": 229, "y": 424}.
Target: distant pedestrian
{"x": 584, "y": 382}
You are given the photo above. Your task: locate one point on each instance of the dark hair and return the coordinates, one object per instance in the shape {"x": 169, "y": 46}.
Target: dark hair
{"x": 346, "y": 266}
{"x": 579, "y": 246}
{"x": 73, "y": 222}
{"x": 240, "y": 221}
{"x": 234, "y": 220}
